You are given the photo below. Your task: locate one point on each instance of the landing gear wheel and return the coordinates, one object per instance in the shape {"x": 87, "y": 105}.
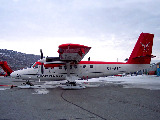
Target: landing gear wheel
{"x": 28, "y": 83}
{"x": 72, "y": 85}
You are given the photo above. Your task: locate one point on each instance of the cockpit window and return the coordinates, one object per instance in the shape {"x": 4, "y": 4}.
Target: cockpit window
{"x": 35, "y": 65}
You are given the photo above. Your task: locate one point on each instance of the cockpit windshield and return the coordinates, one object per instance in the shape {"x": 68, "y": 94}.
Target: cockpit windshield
{"x": 35, "y": 65}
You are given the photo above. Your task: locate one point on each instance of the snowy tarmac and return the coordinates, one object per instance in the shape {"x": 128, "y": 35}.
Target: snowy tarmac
{"x": 140, "y": 81}
{"x": 109, "y": 98}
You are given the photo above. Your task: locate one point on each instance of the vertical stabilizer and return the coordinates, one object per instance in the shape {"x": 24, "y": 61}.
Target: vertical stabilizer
{"x": 142, "y": 51}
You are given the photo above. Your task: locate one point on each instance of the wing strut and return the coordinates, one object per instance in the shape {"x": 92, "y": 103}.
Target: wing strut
{"x": 70, "y": 79}
{"x": 68, "y": 69}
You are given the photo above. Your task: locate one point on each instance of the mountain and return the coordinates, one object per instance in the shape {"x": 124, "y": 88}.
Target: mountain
{"x": 17, "y": 60}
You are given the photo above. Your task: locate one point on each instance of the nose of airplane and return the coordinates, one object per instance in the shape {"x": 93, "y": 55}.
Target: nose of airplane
{"x": 13, "y": 74}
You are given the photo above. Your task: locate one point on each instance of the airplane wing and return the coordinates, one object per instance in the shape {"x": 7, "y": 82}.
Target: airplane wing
{"x": 72, "y": 52}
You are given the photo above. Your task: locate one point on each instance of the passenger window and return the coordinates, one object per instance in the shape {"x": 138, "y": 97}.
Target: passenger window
{"x": 60, "y": 67}
{"x": 91, "y": 66}
{"x": 75, "y": 66}
{"x": 84, "y": 66}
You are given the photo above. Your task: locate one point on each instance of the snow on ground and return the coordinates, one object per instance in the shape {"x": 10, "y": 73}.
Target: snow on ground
{"x": 140, "y": 81}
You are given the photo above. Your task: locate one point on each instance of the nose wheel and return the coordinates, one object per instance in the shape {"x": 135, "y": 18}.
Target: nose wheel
{"x": 28, "y": 83}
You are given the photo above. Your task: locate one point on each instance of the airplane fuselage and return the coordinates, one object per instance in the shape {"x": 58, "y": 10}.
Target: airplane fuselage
{"x": 83, "y": 70}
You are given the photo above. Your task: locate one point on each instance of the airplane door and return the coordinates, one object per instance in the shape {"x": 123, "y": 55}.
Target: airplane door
{"x": 85, "y": 71}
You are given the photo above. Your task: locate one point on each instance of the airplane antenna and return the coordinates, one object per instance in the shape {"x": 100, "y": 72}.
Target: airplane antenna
{"x": 89, "y": 59}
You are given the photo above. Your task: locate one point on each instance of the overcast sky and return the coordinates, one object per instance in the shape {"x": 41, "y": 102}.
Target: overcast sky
{"x": 110, "y": 27}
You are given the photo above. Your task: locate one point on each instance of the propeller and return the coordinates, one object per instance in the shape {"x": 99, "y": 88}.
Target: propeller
{"x": 41, "y": 53}
{"x": 42, "y": 71}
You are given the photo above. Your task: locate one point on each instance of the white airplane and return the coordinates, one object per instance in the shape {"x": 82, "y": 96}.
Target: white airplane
{"x": 68, "y": 66}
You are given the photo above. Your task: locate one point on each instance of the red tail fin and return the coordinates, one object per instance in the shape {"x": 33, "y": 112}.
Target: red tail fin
{"x": 142, "y": 51}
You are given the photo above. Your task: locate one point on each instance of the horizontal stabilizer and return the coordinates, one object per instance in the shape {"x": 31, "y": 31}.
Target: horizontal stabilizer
{"x": 147, "y": 56}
